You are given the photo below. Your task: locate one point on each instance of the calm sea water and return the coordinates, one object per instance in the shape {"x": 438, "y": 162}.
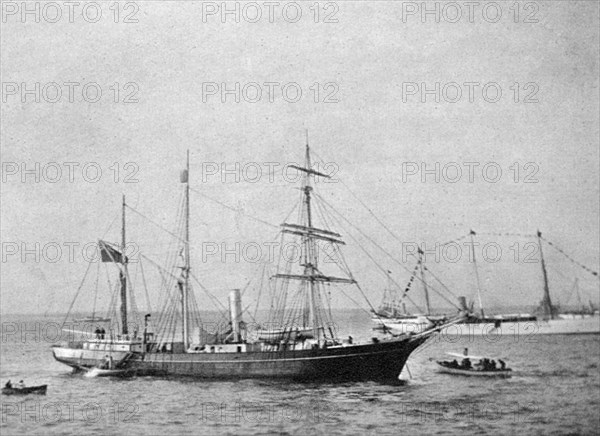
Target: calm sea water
{"x": 555, "y": 390}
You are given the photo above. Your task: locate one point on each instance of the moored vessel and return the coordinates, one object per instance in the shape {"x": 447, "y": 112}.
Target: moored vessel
{"x": 302, "y": 347}
{"x": 548, "y": 319}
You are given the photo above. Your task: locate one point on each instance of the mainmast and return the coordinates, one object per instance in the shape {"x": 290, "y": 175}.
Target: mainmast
{"x": 546, "y": 301}
{"x": 186, "y": 268}
{"x": 123, "y": 274}
{"x": 472, "y": 233}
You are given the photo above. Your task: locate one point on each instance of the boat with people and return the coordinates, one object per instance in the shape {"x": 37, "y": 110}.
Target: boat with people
{"x": 474, "y": 366}
{"x": 303, "y": 345}
{"x": 21, "y": 389}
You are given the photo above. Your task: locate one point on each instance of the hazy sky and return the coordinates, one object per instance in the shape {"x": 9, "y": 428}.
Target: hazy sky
{"x": 370, "y": 61}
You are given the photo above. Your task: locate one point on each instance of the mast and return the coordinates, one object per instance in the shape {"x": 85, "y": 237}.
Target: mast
{"x": 576, "y": 288}
{"x": 186, "y": 268}
{"x": 123, "y": 274}
{"x": 425, "y": 290}
{"x": 309, "y": 267}
{"x": 546, "y": 301}
{"x": 472, "y": 233}
{"x": 579, "y": 302}
{"x": 311, "y": 274}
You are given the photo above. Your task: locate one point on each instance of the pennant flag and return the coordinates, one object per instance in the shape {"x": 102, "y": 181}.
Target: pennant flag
{"x": 109, "y": 254}
{"x": 184, "y": 176}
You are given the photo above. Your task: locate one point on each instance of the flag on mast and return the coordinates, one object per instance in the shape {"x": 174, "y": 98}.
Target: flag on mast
{"x": 184, "y": 176}
{"x": 109, "y": 254}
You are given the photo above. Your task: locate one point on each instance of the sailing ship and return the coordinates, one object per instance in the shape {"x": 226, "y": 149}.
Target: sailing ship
{"x": 392, "y": 313}
{"x": 548, "y": 318}
{"x": 304, "y": 347}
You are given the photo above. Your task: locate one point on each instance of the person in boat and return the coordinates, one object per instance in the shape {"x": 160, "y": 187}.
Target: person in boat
{"x": 466, "y": 363}
{"x": 493, "y": 365}
{"x": 8, "y": 384}
{"x": 20, "y": 385}
{"x": 108, "y": 362}
{"x": 502, "y": 364}
{"x": 350, "y": 339}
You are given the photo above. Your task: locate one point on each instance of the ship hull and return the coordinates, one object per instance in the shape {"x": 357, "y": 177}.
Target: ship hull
{"x": 381, "y": 361}
{"x": 569, "y": 326}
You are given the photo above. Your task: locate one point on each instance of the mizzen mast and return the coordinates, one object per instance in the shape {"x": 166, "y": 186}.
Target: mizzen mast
{"x": 185, "y": 178}
{"x": 546, "y": 301}
{"x": 123, "y": 274}
{"x": 471, "y": 234}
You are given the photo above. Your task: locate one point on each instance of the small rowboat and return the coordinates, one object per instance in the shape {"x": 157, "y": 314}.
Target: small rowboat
{"x": 282, "y": 334}
{"x": 31, "y": 390}
{"x": 485, "y": 367}
{"x": 473, "y": 372}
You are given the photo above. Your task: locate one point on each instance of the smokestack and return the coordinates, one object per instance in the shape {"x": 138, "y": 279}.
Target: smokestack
{"x": 235, "y": 312}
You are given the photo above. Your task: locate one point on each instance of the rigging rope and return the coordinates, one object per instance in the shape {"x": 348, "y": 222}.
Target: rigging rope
{"x": 579, "y": 264}
{"x": 388, "y": 254}
{"x": 383, "y": 270}
{"x": 155, "y": 223}
{"x": 234, "y": 209}
{"x": 76, "y": 294}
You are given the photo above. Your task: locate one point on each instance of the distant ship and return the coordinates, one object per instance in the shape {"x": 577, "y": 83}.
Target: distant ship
{"x": 303, "y": 346}
{"x": 547, "y": 320}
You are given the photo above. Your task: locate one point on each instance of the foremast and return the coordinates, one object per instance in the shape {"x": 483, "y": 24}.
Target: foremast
{"x": 310, "y": 234}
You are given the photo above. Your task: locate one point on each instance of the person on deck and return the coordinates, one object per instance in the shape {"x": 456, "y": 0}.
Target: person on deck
{"x": 97, "y": 332}
{"x": 102, "y": 333}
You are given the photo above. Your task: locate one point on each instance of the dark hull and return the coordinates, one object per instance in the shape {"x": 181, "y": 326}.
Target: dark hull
{"x": 38, "y": 390}
{"x": 381, "y": 361}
